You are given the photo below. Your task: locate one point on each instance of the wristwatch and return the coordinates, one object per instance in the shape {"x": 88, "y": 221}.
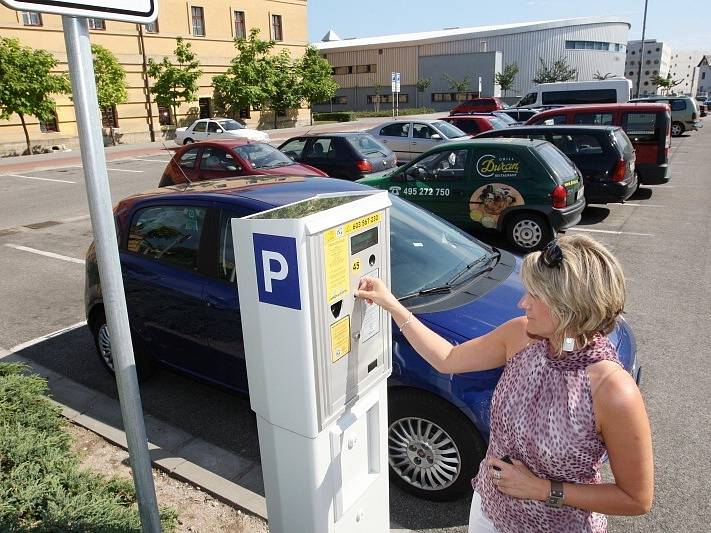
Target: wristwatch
{"x": 555, "y": 498}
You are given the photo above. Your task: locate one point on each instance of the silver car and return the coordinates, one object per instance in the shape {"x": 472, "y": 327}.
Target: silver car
{"x": 217, "y": 128}
{"x": 410, "y": 138}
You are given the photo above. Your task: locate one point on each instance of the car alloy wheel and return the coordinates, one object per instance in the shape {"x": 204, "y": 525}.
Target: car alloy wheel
{"x": 104, "y": 344}
{"x": 423, "y": 454}
{"x": 677, "y": 129}
{"x": 527, "y": 233}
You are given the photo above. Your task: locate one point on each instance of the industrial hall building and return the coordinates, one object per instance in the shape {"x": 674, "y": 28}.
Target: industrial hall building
{"x": 363, "y": 66}
{"x": 210, "y": 26}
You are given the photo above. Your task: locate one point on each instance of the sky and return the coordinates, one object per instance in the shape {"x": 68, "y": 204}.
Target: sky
{"x": 684, "y": 24}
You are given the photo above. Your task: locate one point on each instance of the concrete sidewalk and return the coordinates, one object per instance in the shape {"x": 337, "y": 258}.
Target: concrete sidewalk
{"x": 18, "y": 164}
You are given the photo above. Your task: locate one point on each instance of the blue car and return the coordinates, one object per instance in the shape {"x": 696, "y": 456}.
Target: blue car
{"x": 178, "y": 266}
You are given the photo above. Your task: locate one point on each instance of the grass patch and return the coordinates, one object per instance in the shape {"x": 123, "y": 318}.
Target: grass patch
{"x": 42, "y": 487}
{"x": 389, "y": 112}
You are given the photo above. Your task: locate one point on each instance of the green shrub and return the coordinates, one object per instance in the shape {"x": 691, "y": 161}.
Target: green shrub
{"x": 42, "y": 487}
{"x": 388, "y": 112}
{"x": 338, "y": 116}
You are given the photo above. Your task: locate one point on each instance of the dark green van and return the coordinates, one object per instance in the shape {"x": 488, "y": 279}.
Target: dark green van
{"x": 527, "y": 189}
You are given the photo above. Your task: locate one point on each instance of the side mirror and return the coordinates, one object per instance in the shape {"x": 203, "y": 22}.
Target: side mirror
{"x": 233, "y": 168}
{"x": 436, "y": 136}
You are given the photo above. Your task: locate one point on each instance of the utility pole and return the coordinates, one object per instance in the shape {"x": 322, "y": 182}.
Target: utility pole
{"x": 146, "y": 88}
{"x": 641, "y": 53}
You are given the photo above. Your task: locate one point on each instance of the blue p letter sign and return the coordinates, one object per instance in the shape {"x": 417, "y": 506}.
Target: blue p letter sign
{"x": 277, "y": 270}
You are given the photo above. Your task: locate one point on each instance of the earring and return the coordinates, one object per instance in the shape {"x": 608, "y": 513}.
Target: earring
{"x": 568, "y": 344}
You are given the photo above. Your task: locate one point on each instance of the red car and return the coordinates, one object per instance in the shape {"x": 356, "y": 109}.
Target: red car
{"x": 226, "y": 158}
{"x": 479, "y": 105}
{"x": 475, "y": 124}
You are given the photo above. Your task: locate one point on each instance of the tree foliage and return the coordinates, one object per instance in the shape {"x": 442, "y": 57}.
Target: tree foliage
{"x": 458, "y": 86}
{"x": 559, "y": 70}
{"x": 505, "y": 79}
{"x": 27, "y": 83}
{"x": 286, "y": 93}
{"x": 422, "y": 85}
{"x": 665, "y": 83}
{"x": 175, "y": 83}
{"x": 110, "y": 79}
{"x": 316, "y": 83}
{"x": 600, "y": 76}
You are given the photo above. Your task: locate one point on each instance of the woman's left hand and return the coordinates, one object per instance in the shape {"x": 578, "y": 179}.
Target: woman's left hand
{"x": 518, "y": 481}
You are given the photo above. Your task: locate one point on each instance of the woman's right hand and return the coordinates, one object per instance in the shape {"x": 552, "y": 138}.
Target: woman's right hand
{"x": 373, "y": 290}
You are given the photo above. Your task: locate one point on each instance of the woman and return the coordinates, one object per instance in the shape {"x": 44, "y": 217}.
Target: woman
{"x": 563, "y": 400}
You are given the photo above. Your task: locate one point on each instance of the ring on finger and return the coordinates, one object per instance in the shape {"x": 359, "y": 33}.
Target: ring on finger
{"x": 497, "y": 474}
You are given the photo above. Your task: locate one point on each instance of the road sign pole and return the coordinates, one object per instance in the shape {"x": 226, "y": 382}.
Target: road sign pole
{"x": 81, "y": 70}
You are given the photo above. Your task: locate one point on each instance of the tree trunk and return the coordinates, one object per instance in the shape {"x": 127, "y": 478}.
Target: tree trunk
{"x": 175, "y": 115}
{"x": 276, "y": 114}
{"x": 113, "y": 137}
{"x": 27, "y": 134}
{"x": 311, "y": 115}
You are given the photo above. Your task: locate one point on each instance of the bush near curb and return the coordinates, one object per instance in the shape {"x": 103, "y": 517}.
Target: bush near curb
{"x": 42, "y": 487}
{"x": 389, "y": 112}
{"x": 338, "y": 116}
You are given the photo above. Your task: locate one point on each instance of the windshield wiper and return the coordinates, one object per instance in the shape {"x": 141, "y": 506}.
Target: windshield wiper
{"x": 487, "y": 263}
{"x": 440, "y": 289}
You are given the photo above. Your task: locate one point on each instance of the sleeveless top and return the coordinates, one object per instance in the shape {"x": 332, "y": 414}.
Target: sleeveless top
{"x": 542, "y": 415}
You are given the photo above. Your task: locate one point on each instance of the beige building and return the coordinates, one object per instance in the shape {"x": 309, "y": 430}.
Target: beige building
{"x": 209, "y": 25}
{"x": 641, "y": 66}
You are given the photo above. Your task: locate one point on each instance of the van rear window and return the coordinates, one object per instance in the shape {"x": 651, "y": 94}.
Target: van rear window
{"x": 589, "y": 96}
{"x": 641, "y": 126}
{"x": 559, "y": 163}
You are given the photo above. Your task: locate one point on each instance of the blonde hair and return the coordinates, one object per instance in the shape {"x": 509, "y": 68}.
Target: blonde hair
{"x": 585, "y": 293}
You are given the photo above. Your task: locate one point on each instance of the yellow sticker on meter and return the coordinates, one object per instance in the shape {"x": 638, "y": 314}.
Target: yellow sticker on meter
{"x": 340, "y": 338}
{"x": 335, "y": 246}
{"x": 361, "y": 223}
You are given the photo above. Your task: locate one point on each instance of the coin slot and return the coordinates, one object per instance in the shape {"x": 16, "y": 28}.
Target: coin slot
{"x": 371, "y": 260}
{"x": 372, "y": 365}
{"x": 336, "y": 308}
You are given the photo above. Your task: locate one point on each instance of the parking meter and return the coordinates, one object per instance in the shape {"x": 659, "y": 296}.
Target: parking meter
{"x": 318, "y": 359}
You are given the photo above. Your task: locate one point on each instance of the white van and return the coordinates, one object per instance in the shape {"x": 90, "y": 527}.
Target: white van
{"x": 612, "y": 91}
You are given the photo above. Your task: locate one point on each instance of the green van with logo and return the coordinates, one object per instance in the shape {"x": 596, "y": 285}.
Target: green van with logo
{"x": 527, "y": 189}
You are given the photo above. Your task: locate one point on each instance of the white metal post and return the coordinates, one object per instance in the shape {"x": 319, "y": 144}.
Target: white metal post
{"x": 81, "y": 70}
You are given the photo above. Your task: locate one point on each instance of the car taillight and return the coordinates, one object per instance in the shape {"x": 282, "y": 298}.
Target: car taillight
{"x": 693, "y": 116}
{"x": 559, "y": 196}
{"x": 364, "y": 166}
{"x": 619, "y": 173}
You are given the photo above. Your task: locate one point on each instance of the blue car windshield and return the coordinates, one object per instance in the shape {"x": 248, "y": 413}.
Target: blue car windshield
{"x": 426, "y": 251}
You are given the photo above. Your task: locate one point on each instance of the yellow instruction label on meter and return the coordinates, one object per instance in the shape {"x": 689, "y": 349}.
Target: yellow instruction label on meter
{"x": 340, "y": 338}
{"x": 335, "y": 246}
{"x": 361, "y": 223}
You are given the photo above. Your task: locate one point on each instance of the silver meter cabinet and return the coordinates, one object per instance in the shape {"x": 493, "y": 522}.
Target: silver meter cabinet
{"x": 318, "y": 359}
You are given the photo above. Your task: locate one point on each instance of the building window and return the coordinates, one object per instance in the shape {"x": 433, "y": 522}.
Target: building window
{"x": 631, "y": 73}
{"x": 151, "y": 27}
{"x": 164, "y": 118}
{"x": 244, "y": 112}
{"x": 386, "y": 98}
{"x": 336, "y": 100}
{"x": 109, "y": 117}
{"x": 453, "y": 97}
{"x": 277, "y": 33}
{"x": 30, "y": 18}
{"x": 204, "y": 104}
{"x": 703, "y": 75}
{"x": 633, "y": 52}
{"x": 363, "y": 69}
{"x": 198, "y": 21}
{"x": 240, "y": 27}
{"x": 341, "y": 70}
{"x": 97, "y": 24}
{"x": 592, "y": 45}
{"x": 49, "y": 126}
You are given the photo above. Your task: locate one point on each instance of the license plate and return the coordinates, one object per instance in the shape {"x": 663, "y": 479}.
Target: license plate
{"x": 579, "y": 194}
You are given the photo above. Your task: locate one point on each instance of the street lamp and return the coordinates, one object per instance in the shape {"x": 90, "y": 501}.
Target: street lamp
{"x": 641, "y": 53}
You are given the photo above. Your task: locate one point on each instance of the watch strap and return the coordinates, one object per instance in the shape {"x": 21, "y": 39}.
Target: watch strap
{"x": 555, "y": 498}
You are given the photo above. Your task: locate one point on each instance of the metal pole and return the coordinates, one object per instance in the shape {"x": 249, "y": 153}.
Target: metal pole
{"x": 146, "y": 87}
{"x": 641, "y": 53}
{"x": 81, "y": 70}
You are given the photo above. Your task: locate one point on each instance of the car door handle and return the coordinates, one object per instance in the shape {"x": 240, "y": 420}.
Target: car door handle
{"x": 413, "y": 142}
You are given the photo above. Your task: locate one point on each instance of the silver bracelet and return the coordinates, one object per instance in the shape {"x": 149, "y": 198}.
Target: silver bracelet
{"x": 407, "y": 322}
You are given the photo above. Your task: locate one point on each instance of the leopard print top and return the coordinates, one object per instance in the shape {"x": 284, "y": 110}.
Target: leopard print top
{"x": 542, "y": 415}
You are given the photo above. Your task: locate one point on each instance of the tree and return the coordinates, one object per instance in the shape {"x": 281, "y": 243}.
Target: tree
{"x": 505, "y": 78}
{"x": 560, "y": 70}
{"x": 175, "y": 83}
{"x": 250, "y": 78}
{"x": 285, "y": 92}
{"x": 27, "y": 84}
{"x": 110, "y": 80}
{"x": 316, "y": 83}
{"x": 422, "y": 85}
{"x": 600, "y": 76}
{"x": 458, "y": 86}
{"x": 665, "y": 83}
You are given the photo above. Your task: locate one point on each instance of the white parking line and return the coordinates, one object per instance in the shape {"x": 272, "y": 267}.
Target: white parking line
{"x": 658, "y": 186}
{"x": 43, "y": 338}
{"x": 46, "y": 254}
{"x": 36, "y": 178}
{"x": 74, "y": 219}
{"x": 147, "y": 160}
{"x": 611, "y": 232}
{"x": 113, "y": 169}
{"x": 630, "y": 204}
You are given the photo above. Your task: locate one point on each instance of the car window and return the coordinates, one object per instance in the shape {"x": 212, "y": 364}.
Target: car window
{"x": 216, "y": 159}
{"x": 212, "y": 127}
{"x": 230, "y": 125}
{"x": 168, "y": 234}
{"x": 594, "y": 119}
{"x": 467, "y": 125}
{"x": 397, "y": 129}
{"x": 187, "y": 160}
{"x": 586, "y": 145}
{"x": 319, "y": 149}
{"x": 497, "y": 123}
{"x": 226, "y": 258}
{"x": 422, "y": 131}
{"x": 529, "y": 99}
{"x": 294, "y": 148}
{"x": 262, "y": 155}
{"x": 555, "y": 119}
{"x": 200, "y": 126}
{"x": 678, "y": 105}
{"x": 623, "y": 142}
{"x": 366, "y": 146}
{"x": 425, "y": 251}
{"x": 640, "y": 126}
{"x": 563, "y": 167}
{"x": 450, "y": 131}
{"x": 442, "y": 165}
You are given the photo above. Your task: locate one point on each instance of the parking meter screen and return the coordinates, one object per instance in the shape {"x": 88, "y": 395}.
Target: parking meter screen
{"x": 364, "y": 240}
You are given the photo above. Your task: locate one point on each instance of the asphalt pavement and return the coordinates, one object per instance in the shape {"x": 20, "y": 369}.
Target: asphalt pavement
{"x": 661, "y": 236}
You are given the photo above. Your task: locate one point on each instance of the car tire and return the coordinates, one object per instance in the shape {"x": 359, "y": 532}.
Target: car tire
{"x": 527, "y": 232}
{"x": 188, "y": 141}
{"x": 424, "y": 427}
{"x": 677, "y": 129}
{"x": 102, "y": 341}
